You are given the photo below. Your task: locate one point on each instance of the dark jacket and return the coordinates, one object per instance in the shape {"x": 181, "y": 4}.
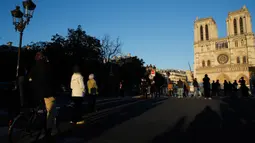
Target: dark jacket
{"x": 180, "y": 84}
{"x": 42, "y": 80}
{"x": 195, "y": 83}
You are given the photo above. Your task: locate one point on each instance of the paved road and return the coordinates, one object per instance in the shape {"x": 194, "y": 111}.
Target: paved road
{"x": 167, "y": 120}
{"x": 171, "y": 120}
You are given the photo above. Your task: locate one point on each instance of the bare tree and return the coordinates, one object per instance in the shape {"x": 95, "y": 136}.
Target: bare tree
{"x": 110, "y": 48}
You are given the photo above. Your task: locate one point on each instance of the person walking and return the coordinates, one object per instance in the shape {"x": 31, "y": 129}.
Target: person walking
{"x": 93, "y": 92}
{"x": 42, "y": 82}
{"x": 78, "y": 92}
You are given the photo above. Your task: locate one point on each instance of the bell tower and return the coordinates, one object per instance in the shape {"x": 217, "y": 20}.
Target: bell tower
{"x": 205, "y": 29}
{"x": 239, "y": 22}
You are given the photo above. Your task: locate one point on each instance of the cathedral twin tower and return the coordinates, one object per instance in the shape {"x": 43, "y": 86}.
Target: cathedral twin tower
{"x": 227, "y": 58}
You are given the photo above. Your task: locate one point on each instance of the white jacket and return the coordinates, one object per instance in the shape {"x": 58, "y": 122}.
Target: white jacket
{"x": 77, "y": 85}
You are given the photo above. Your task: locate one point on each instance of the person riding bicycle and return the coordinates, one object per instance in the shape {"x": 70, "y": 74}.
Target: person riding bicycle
{"x": 42, "y": 82}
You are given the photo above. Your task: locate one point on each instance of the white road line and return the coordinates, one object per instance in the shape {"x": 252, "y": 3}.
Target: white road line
{"x": 116, "y": 107}
{"x": 91, "y": 122}
{"x": 102, "y": 100}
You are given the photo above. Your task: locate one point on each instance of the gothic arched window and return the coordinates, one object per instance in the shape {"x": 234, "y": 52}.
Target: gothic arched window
{"x": 203, "y": 63}
{"x": 238, "y": 60}
{"x": 206, "y": 32}
{"x": 244, "y": 59}
{"x": 235, "y": 26}
{"x": 241, "y": 25}
{"x": 208, "y": 63}
{"x": 201, "y": 33}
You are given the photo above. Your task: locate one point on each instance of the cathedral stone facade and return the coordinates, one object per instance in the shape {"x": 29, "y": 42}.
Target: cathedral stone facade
{"x": 228, "y": 58}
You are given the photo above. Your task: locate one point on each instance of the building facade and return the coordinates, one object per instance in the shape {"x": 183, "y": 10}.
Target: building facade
{"x": 228, "y": 58}
{"x": 174, "y": 74}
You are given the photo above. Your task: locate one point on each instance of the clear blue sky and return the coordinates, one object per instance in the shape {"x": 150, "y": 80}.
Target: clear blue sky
{"x": 159, "y": 31}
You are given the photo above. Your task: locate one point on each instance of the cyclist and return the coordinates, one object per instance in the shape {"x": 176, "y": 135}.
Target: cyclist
{"x": 41, "y": 78}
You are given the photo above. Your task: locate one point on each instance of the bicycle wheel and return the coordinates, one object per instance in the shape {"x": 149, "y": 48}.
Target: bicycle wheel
{"x": 22, "y": 130}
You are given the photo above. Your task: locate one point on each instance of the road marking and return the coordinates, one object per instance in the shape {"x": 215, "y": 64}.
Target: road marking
{"x": 108, "y": 109}
{"x": 96, "y": 119}
{"x": 104, "y": 100}
{"x": 71, "y": 105}
{"x": 111, "y": 109}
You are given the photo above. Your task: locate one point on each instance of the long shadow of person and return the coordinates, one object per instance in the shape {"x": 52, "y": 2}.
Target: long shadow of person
{"x": 174, "y": 134}
{"x": 238, "y": 120}
{"x": 206, "y": 127}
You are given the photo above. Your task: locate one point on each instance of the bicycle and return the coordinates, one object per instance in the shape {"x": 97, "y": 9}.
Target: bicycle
{"x": 31, "y": 122}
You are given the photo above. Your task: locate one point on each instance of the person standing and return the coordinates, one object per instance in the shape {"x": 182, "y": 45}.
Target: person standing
{"x": 243, "y": 87}
{"x": 218, "y": 88}
{"x": 214, "y": 88}
{"x": 206, "y": 83}
{"x": 93, "y": 92}
{"x": 78, "y": 92}
{"x": 252, "y": 84}
{"x": 42, "y": 82}
{"x": 196, "y": 88}
{"x": 180, "y": 88}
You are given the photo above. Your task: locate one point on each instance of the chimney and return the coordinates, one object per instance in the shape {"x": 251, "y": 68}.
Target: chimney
{"x": 9, "y": 44}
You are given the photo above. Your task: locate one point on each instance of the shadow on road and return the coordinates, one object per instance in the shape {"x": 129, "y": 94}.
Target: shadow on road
{"x": 234, "y": 124}
{"x": 89, "y": 131}
{"x": 172, "y": 134}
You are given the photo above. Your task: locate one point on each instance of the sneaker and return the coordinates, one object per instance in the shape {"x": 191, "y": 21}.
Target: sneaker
{"x": 210, "y": 98}
{"x": 205, "y": 98}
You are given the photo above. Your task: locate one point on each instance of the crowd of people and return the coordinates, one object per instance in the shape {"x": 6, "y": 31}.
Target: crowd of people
{"x": 37, "y": 84}
{"x": 209, "y": 89}
{"x": 206, "y": 89}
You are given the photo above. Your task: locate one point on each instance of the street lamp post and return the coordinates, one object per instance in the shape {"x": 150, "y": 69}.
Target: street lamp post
{"x": 20, "y": 21}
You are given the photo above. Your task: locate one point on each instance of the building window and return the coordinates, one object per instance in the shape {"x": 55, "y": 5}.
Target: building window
{"x": 235, "y": 27}
{"x": 208, "y": 63}
{"x": 244, "y": 59}
{"x": 201, "y": 33}
{"x": 221, "y": 45}
{"x": 206, "y": 32}
{"x": 236, "y": 43}
{"x": 241, "y": 25}
{"x": 203, "y": 63}
{"x": 238, "y": 60}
